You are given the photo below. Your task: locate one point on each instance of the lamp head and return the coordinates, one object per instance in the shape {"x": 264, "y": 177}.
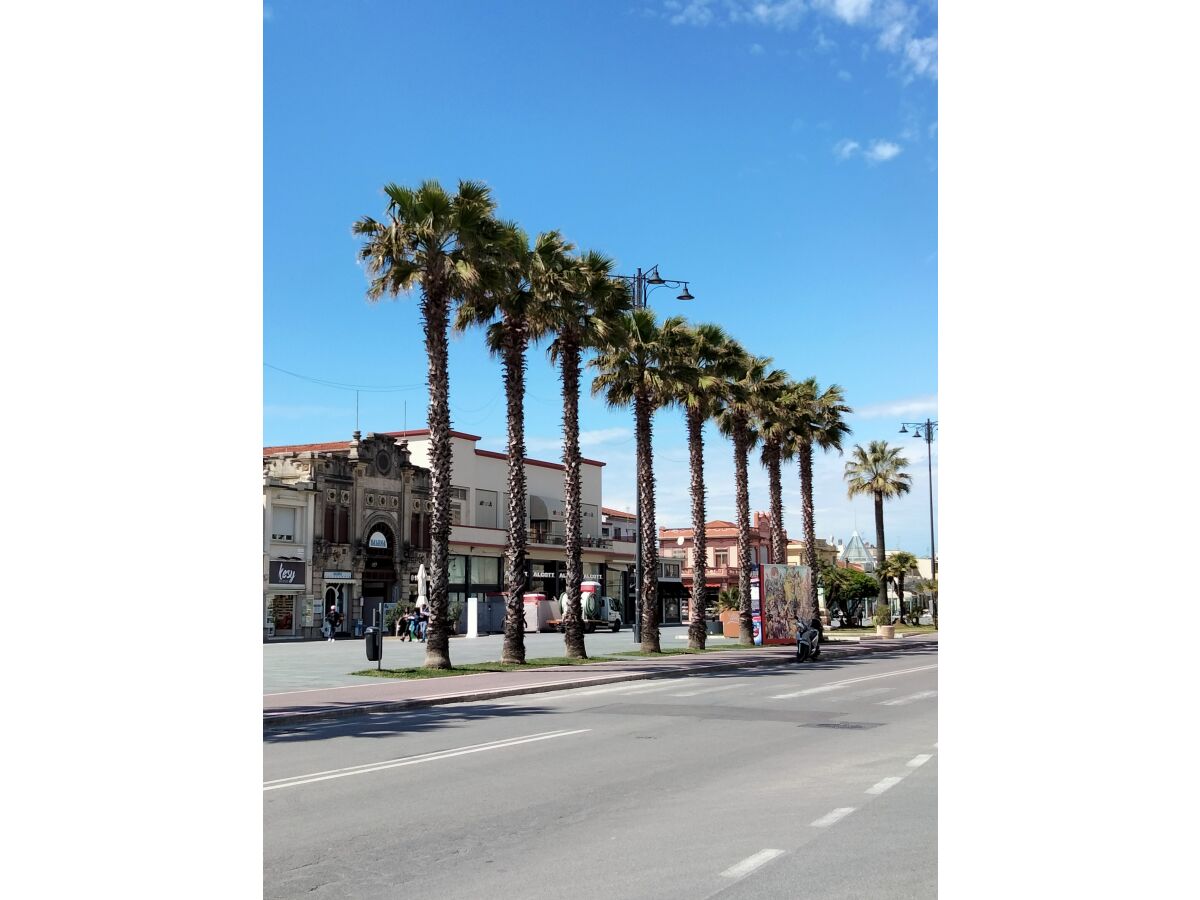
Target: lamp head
{"x": 654, "y": 278}
{"x": 685, "y": 295}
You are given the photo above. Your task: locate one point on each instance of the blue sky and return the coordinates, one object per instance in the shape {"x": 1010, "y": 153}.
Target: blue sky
{"x": 781, "y": 156}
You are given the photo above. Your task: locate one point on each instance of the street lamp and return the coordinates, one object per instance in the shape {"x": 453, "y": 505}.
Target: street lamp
{"x": 925, "y": 430}
{"x": 641, "y": 300}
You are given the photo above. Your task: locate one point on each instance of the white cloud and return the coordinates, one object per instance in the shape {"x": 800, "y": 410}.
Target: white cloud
{"x": 757, "y": 50}
{"x": 912, "y": 407}
{"x": 895, "y": 23}
{"x": 849, "y": 11}
{"x": 922, "y": 55}
{"x": 844, "y": 75}
{"x": 697, "y": 12}
{"x": 882, "y": 151}
{"x": 845, "y": 148}
{"x": 587, "y": 438}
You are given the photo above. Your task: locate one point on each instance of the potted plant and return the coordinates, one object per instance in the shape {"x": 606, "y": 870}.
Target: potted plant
{"x": 730, "y": 607}
{"x": 883, "y": 621}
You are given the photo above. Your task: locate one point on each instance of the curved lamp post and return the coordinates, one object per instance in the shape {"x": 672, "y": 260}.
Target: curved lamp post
{"x": 642, "y": 283}
{"x": 924, "y": 430}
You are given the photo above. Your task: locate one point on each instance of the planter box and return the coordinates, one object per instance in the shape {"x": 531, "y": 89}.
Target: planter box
{"x": 885, "y": 631}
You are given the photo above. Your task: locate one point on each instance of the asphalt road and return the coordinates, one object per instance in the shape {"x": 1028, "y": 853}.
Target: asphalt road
{"x": 790, "y": 781}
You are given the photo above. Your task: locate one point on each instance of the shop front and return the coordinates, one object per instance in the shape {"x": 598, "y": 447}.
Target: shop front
{"x": 286, "y": 602}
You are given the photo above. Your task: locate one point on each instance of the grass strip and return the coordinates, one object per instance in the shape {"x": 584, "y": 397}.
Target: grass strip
{"x": 470, "y": 668}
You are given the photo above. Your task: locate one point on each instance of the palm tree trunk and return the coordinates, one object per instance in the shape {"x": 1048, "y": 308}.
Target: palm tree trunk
{"x": 518, "y": 532}
{"x": 572, "y": 613}
{"x": 775, "y": 483}
{"x": 649, "y": 561}
{"x": 900, "y": 595}
{"x": 810, "y": 529}
{"x": 696, "y": 631}
{"x": 740, "y": 453}
{"x": 880, "y": 554}
{"x": 435, "y": 311}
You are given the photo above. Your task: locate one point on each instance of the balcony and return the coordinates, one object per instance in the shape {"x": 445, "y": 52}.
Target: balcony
{"x": 554, "y": 539}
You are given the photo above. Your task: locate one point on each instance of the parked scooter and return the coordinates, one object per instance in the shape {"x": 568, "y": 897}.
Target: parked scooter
{"x": 808, "y": 639}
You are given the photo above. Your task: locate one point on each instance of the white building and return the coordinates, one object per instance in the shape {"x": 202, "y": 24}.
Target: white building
{"x": 479, "y": 511}
{"x": 287, "y": 556}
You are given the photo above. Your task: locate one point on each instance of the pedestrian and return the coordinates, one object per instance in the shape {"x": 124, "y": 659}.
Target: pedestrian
{"x": 414, "y": 623}
{"x": 334, "y": 619}
{"x": 423, "y": 620}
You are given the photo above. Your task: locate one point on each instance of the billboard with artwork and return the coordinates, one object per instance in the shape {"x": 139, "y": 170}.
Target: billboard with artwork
{"x": 785, "y": 593}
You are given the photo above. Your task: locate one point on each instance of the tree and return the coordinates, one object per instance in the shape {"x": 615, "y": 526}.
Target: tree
{"x": 697, "y": 364}
{"x": 817, "y": 421}
{"x": 749, "y": 379}
{"x": 846, "y": 587}
{"x": 877, "y": 471}
{"x": 519, "y": 299}
{"x": 584, "y": 303}
{"x": 630, "y": 367}
{"x": 445, "y": 245}
{"x": 775, "y": 408}
{"x": 897, "y": 566}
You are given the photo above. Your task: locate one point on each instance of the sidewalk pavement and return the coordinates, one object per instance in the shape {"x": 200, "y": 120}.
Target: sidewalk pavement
{"x": 391, "y": 694}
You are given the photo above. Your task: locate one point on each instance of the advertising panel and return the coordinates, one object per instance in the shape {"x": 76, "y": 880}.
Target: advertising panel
{"x": 286, "y": 573}
{"x": 785, "y": 591}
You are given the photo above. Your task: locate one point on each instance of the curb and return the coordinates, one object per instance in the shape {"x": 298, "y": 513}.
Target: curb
{"x": 281, "y": 720}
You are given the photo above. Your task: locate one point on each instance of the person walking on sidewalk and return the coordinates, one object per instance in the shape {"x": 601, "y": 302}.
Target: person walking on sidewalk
{"x": 422, "y": 621}
{"x": 335, "y": 621}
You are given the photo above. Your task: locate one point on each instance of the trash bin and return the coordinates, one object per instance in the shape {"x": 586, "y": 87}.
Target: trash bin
{"x": 374, "y": 644}
{"x": 358, "y": 628}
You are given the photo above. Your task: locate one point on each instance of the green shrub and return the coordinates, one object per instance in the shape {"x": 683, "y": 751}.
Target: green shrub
{"x": 882, "y": 614}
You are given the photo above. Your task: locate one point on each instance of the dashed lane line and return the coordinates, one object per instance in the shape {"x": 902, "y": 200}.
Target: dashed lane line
{"x": 918, "y": 761}
{"x": 881, "y": 786}
{"x": 750, "y": 863}
{"x": 829, "y": 818}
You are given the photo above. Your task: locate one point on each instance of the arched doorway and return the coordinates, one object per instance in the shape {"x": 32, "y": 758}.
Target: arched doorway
{"x": 379, "y": 572}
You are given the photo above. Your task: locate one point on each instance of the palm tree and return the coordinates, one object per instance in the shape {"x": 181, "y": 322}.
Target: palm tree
{"x": 743, "y": 389}
{"x": 583, "y": 301}
{"x": 697, "y": 360}
{"x": 897, "y": 566}
{"x": 877, "y": 471}
{"x": 519, "y": 301}
{"x": 774, "y": 410}
{"x": 817, "y": 422}
{"x": 631, "y": 371}
{"x": 443, "y": 244}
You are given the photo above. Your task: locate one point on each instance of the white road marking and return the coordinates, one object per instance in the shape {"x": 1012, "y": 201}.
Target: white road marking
{"x": 750, "y": 863}
{"x": 720, "y": 687}
{"x": 911, "y": 698}
{"x": 858, "y": 695}
{"x": 884, "y": 785}
{"x": 838, "y": 684}
{"x": 919, "y": 760}
{"x": 840, "y": 813}
{"x": 297, "y": 780}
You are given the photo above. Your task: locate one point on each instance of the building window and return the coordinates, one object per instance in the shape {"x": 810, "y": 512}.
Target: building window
{"x": 721, "y": 559}
{"x": 486, "y": 503}
{"x": 458, "y": 505}
{"x": 283, "y": 523}
{"x": 458, "y": 570}
{"x": 485, "y": 570}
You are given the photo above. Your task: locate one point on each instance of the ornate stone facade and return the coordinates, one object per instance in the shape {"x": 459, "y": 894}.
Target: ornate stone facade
{"x": 370, "y": 523}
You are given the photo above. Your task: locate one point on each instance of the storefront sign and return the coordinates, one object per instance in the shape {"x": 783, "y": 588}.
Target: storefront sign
{"x": 338, "y": 575}
{"x": 377, "y": 540}
{"x": 287, "y": 573}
